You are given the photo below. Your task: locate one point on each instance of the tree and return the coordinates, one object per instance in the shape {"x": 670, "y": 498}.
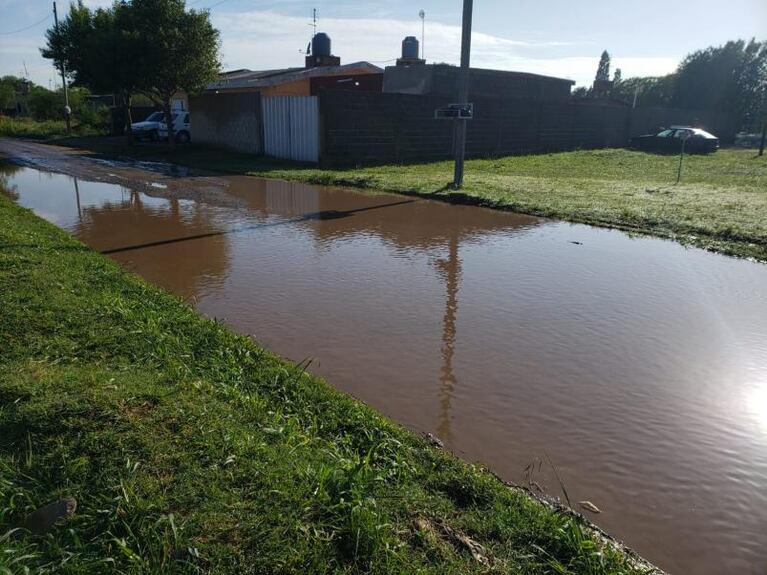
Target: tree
{"x": 617, "y": 77}
{"x": 8, "y": 92}
{"x": 724, "y": 79}
{"x": 181, "y": 46}
{"x": 99, "y": 50}
{"x": 154, "y": 47}
{"x": 649, "y": 91}
{"x": 581, "y": 92}
{"x": 603, "y": 71}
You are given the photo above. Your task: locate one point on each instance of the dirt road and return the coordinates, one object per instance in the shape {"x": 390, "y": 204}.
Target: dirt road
{"x": 158, "y": 179}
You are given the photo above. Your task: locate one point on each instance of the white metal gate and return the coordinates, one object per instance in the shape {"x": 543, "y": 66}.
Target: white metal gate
{"x": 292, "y": 127}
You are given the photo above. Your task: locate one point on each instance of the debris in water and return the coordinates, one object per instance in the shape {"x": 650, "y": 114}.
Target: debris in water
{"x": 589, "y": 506}
{"x": 434, "y": 440}
{"x": 537, "y": 486}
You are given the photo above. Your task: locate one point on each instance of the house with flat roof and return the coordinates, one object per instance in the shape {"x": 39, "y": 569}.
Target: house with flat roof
{"x": 301, "y": 81}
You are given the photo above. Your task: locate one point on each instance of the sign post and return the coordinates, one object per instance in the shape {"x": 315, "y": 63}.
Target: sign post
{"x": 681, "y": 156}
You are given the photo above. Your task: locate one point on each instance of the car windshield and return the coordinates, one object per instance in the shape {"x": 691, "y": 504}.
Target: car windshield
{"x": 665, "y": 133}
{"x": 154, "y": 117}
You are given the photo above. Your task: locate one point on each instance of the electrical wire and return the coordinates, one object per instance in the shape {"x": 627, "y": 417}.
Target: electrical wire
{"x": 26, "y": 27}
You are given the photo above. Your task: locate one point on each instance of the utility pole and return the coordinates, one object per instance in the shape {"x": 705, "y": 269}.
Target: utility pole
{"x": 422, "y": 16}
{"x": 67, "y": 109}
{"x": 459, "y": 134}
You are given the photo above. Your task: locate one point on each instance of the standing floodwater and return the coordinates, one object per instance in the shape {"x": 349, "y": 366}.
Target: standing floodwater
{"x": 637, "y": 366}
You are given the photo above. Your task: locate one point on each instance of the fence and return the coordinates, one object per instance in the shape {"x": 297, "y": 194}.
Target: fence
{"x": 291, "y": 127}
{"x": 350, "y": 127}
{"x": 227, "y": 120}
{"x": 359, "y": 128}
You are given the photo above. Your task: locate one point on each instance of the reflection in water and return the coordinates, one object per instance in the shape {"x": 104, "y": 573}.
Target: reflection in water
{"x": 77, "y": 196}
{"x": 450, "y": 270}
{"x": 636, "y": 365}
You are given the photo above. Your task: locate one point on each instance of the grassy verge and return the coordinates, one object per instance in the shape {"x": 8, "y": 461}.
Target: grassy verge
{"x": 721, "y": 203}
{"x": 190, "y": 449}
{"x": 43, "y": 130}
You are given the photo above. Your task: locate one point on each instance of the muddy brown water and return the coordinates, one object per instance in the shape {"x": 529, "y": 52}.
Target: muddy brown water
{"x": 638, "y": 367}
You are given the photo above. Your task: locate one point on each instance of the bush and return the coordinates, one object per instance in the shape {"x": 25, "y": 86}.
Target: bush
{"x": 94, "y": 116}
{"x": 47, "y": 129}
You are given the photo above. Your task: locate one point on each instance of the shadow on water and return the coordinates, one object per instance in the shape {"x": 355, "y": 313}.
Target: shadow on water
{"x": 323, "y": 215}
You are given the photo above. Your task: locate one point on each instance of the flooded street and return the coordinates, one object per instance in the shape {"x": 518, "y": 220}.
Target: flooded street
{"x": 636, "y": 366}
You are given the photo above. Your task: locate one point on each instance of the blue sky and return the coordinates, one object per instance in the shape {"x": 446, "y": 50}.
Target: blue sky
{"x": 556, "y": 37}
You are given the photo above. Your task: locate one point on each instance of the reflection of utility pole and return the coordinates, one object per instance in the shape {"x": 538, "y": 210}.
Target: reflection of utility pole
{"x": 77, "y": 196}
{"x": 451, "y": 271}
{"x": 67, "y": 110}
{"x": 459, "y": 135}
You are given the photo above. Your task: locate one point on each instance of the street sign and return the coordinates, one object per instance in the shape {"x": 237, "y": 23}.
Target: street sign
{"x": 455, "y": 112}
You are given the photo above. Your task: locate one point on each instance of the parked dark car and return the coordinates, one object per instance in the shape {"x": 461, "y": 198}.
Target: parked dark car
{"x": 670, "y": 140}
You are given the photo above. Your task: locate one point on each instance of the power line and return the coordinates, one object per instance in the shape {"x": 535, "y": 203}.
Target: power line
{"x": 48, "y": 17}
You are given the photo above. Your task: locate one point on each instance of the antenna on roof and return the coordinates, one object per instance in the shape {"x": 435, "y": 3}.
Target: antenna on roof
{"x": 314, "y": 33}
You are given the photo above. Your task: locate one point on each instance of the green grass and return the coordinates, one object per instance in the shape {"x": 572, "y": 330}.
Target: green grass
{"x": 721, "y": 203}
{"x": 42, "y": 130}
{"x": 190, "y": 449}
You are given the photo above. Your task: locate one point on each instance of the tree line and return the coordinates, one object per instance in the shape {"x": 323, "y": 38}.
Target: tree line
{"x": 731, "y": 79}
{"x": 156, "y": 48}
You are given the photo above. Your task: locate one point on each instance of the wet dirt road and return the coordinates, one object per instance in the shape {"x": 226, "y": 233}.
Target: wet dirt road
{"x": 637, "y": 366}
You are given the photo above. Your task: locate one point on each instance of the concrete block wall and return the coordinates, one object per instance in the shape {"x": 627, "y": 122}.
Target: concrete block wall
{"x": 230, "y": 120}
{"x": 369, "y": 128}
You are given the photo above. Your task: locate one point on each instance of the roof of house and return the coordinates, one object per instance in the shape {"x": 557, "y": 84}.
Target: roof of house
{"x": 237, "y": 79}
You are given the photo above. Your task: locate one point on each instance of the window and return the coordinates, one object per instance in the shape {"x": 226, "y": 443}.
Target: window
{"x": 665, "y": 133}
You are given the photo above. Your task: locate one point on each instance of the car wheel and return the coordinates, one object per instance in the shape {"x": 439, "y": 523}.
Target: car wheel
{"x": 154, "y": 136}
{"x": 182, "y": 137}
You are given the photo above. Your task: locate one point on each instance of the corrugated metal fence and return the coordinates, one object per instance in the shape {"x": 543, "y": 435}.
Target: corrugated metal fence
{"x": 292, "y": 127}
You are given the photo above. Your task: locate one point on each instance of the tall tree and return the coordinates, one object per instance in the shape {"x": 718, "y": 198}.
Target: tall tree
{"x": 724, "y": 79}
{"x": 603, "y": 71}
{"x": 649, "y": 91}
{"x": 182, "y": 47}
{"x": 8, "y": 92}
{"x": 99, "y": 50}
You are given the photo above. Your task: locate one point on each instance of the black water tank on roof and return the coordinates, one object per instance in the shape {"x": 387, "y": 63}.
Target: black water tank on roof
{"x": 410, "y": 47}
{"x": 321, "y": 44}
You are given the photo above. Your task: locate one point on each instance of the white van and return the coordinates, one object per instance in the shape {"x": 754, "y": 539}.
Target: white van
{"x": 181, "y": 128}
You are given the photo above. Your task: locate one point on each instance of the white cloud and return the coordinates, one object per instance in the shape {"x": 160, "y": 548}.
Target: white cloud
{"x": 265, "y": 39}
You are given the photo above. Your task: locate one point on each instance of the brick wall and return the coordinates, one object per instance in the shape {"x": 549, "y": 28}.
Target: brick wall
{"x": 228, "y": 121}
{"x": 361, "y": 128}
